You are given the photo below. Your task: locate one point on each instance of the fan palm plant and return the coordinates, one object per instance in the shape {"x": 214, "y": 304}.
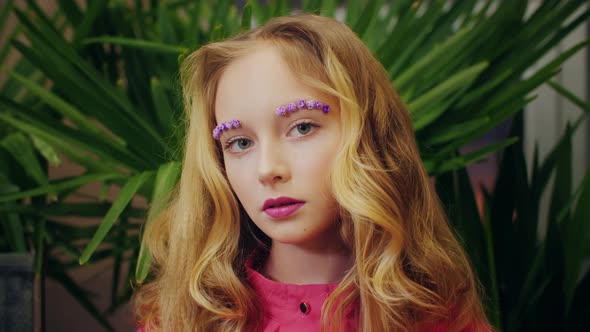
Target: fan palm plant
{"x": 97, "y": 85}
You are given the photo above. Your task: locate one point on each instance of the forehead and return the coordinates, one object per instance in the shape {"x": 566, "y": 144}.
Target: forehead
{"x": 256, "y": 83}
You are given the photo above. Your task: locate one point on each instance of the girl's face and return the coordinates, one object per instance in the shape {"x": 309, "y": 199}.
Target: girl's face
{"x": 279, "y": 166}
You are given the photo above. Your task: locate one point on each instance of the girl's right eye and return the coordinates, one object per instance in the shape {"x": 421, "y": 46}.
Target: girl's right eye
{"x": 237, "y": 145}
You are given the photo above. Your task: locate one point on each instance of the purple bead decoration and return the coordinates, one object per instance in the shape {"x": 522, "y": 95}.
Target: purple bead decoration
{"x": 225, "y": 126}
{"x": 291, "y": 108}
{"x": 281, "y": 110}
{"x": 301, "y": 103}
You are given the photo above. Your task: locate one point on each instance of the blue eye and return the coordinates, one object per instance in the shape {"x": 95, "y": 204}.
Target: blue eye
{"x": 237, "y": 144}
{"x": 303, "y": 129}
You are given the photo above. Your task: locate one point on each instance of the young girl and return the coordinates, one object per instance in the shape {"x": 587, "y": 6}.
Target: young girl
{"x": 303, "y": 204}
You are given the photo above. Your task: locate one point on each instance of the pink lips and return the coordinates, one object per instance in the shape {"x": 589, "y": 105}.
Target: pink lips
{"x": 281, "y": 207}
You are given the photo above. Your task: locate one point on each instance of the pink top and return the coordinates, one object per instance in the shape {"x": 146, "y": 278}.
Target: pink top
{"x": 290, "y": 307}
{"x": 297, "y": 308}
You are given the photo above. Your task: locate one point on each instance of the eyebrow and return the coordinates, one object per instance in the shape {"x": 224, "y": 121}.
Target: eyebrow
{"x": 283, "y": 110}
{"x": 225, "y": 126}
{"x": 310, "y": 104}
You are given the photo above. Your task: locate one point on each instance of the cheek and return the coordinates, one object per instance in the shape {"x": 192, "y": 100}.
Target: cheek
{"x": 238, "y": 174}
{"x": 314, "y": 163}
{"x": 315, "y": 169}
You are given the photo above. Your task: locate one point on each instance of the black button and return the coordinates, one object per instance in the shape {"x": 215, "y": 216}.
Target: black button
{"x": 304, "y": 307}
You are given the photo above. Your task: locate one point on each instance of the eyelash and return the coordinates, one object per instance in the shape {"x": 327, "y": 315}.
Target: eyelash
{"x": 232, "y": 140}
{"x": 304, "y": 122}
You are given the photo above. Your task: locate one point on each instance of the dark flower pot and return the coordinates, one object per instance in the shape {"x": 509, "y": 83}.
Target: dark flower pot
{"x": 17, "y": 279}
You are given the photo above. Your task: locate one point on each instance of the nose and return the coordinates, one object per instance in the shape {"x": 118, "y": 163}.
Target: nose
{"x": 273, "y": 167}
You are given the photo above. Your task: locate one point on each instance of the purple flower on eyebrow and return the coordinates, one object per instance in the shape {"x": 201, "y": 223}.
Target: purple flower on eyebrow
{"x": 281, "y": 110}
{"x": 291, "y": 108}
{"x": 301, "y": 103}
{"x": 225, "y": 126}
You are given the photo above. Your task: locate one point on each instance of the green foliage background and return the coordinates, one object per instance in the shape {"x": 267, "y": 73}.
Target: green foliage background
{"x": 98, "y": 85}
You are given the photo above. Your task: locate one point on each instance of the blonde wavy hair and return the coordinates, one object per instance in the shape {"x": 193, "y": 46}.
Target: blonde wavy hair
{"x": 409, "y": 269}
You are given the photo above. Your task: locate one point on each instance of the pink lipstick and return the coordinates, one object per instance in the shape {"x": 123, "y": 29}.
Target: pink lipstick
{"x": 281, "y": 207}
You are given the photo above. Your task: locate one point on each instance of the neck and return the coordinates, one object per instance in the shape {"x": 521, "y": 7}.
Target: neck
{"x": 322, "y": 261}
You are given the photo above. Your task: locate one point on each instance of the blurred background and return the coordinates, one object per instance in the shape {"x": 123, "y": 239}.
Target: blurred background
{"x": 90, "y": 132}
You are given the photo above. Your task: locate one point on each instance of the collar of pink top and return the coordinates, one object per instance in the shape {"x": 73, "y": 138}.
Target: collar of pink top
{"x": 291, "y": 307}
{"x": 292, "y": 304}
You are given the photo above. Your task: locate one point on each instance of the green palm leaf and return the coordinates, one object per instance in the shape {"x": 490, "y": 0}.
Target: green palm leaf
{"x": 166, "y": 178}
{"x": 127, "y": 192}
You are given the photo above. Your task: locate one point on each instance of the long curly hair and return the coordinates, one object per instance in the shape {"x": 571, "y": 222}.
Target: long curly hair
{"x": 409, "y": 269}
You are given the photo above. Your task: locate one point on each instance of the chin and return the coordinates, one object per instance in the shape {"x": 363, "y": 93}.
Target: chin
{"x": 289, "y": 239}
{"x": 295, "y": 238}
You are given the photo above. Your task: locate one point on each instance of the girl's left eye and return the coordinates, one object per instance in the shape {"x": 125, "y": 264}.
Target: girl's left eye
{"x": 303, "y": 129}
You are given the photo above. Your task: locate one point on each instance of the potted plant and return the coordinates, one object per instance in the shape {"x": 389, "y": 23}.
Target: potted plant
{"x": 106, "y": 98}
